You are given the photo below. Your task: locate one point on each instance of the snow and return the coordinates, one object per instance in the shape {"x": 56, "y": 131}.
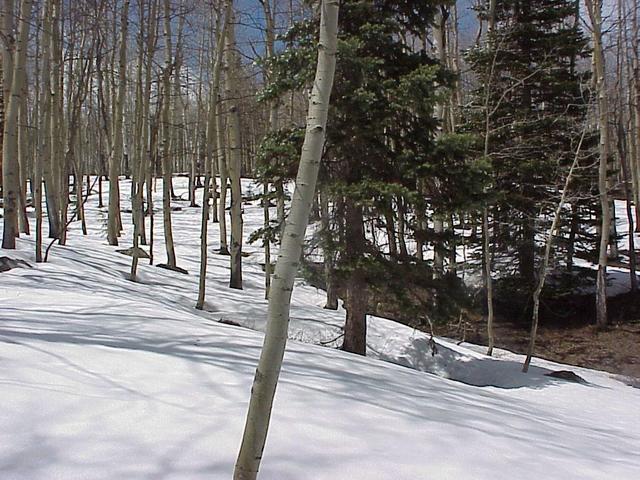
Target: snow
{"x": 102, "y": 378}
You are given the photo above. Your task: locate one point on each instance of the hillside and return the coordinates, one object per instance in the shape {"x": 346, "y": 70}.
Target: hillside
{"x": 103, "y": 378}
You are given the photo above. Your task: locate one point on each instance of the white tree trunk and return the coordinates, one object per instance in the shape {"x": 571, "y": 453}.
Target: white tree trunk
{"x": 212, "y": 147}
{"x": 11, "y": 167}
{"x": 235, "y": 154}
{"x": 544, "y": 267}
{"x": 268, "y": 371}
{"x": 117, "y": 145}
{"x": 166, "y": 139}
{"x": 594, "y": 9}
{"x": 44, "y": 146}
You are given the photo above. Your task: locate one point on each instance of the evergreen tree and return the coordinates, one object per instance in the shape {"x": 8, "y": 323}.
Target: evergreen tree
{"x": 382, "y": 145}
{"x": 531, "y": 106}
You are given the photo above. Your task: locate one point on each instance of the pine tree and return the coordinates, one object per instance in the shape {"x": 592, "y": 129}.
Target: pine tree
{"x": 383, "y": 146}
{"x": 532, "y": 107}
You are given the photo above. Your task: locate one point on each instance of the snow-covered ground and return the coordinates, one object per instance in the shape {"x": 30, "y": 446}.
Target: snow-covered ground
{"x": 102, "y": 378}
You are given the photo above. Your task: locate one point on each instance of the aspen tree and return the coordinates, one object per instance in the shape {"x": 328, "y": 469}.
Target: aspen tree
{"x": 268, "y": 371}
{"x": 11, "y": 167}
{"x": 212, "y": 145}
{"x": 76, "y": 94}
{"x": 166, "y": 137}
{"x": 235, "y": 153}
{"x": 117, "y": 144}
{"x": 142, "y": 159}
{"x": 440, "y": 34}
{"x": 273, "y": 127}
{"x": 594, "y": 9}
{"x": 626, "y": 141}
{"x": 328, "y": 254}
{"x": 23, "y": 155}
{"x": 44, "y": 146}
{"x": 544, "y": 265}
{"x": 486, "y": 234}
{"x": 222, "y": 170}
{"x": 59, "y": 177}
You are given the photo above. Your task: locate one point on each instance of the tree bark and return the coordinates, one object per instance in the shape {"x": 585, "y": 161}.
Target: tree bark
{"x": 544, "y": 266}
{"x": 595, "y": 14}
{"x": 357, "y": 297}
{"x": 166, "y": 139}
{"x": 212, "y": 147}
{"x": 113, "y": 231}
{"x": 235, "y": 154}
{"x": 44, "y": 146}
{"x": 268, "y": 371}
{"x": 328, "y": 254}
{"x": 11, "y": 167}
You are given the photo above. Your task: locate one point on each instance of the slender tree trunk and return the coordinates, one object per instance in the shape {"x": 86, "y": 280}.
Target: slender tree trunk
{"x": 624, "y": 162}
{"x": 166, "y": 140}
{"x": 11, "y": 166}
{"x": 267, "y": 240}
{"x": 486, "y": 233}
{"x": 273, "y": 127}
{"x": 44, "y": 146}
{"x": 544, "y": 266}
{"x": 212, "y": 147}
{"x": 402, "y": 242}
{"x": 268, "y": 371}
{"x": 222, "y": 169}
{"x": 390, "y": 226}
{"x": 113, "y": 231}
{"x": 235, "y": 154}
{"x": 328, "y": 254}
{"x": 595, "y": 13}
{"x": 23, "y": 155}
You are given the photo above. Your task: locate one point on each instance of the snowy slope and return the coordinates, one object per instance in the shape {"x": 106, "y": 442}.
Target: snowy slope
{"x": 102, "y": 378}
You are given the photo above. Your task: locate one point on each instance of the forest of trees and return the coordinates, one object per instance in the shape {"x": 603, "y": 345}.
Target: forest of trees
{"x": 502, "y": 129}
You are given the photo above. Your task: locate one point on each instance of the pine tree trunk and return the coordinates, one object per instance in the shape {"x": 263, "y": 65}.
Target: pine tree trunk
{"x": 356, "y": 301}
{"x": 268, "y": 371}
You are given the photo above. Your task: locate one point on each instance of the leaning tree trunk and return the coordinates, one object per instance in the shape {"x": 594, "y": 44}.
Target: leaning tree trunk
{"x": 544, "y": 266}
{"x": 268, "y": 371}
{"x": 11, "y": 167}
